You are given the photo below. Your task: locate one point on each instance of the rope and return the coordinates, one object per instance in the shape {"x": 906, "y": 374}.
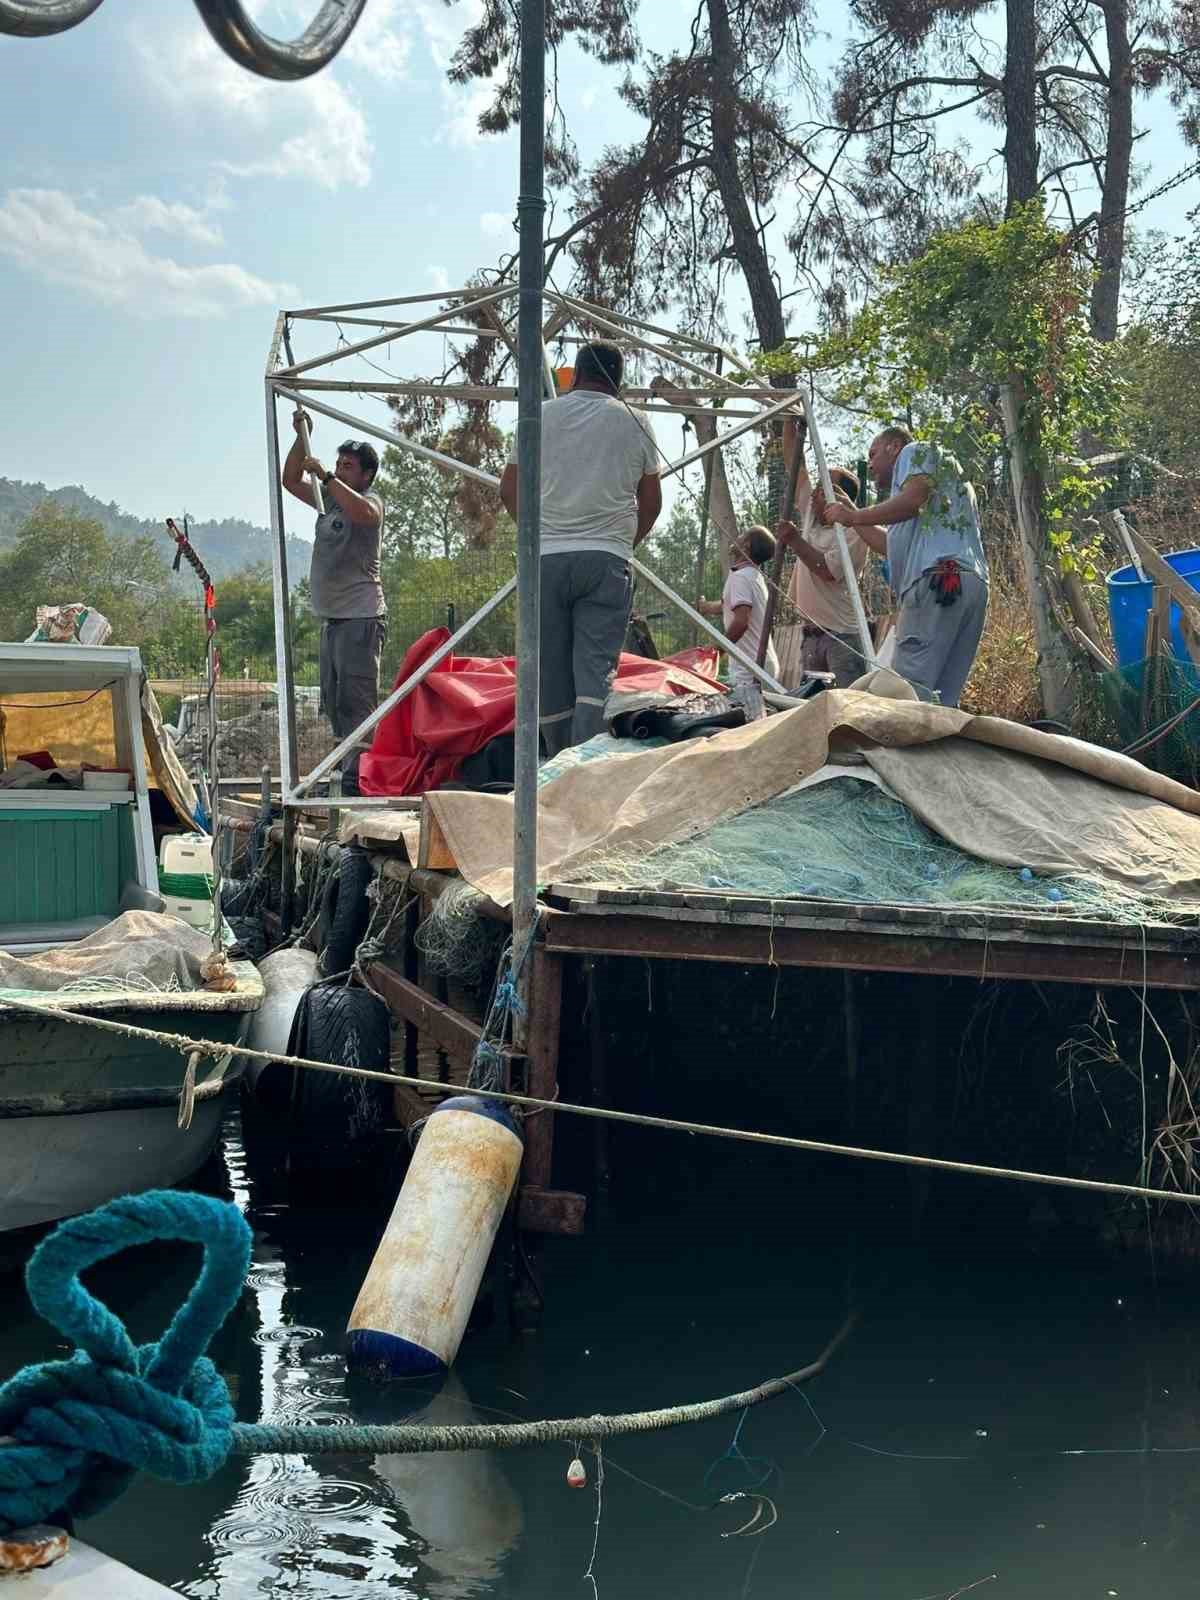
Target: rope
{"x": 207, "y": 1047}
{"x": 75, "y": 1431}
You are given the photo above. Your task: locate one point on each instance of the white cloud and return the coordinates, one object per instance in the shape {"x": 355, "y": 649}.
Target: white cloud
{"x": 313, "y": 129}
{"x": 146, "y": 213}
{"x": 49, "y": 235}
{"x": 383, "y": 49}
{"x": 496, "y": 224}
{"x": 438, "y": 277}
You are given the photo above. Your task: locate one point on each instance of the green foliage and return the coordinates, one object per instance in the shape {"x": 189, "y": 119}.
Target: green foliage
{"x": 985, "y": 303}
{"x": 1160, "y": 351}
{"x": 61, "y": 556}
{"x": 435, "y": 511}
{"x": 226, "y": 545}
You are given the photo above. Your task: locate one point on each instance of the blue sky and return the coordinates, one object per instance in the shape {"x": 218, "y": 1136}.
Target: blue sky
{"x": 157, "y": 205}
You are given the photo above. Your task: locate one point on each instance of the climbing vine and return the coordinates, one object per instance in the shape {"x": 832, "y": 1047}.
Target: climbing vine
{"x": 984, "y": 303}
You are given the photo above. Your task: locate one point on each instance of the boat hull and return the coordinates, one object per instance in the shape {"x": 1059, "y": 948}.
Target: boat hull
{"x": 86, "y": 1115}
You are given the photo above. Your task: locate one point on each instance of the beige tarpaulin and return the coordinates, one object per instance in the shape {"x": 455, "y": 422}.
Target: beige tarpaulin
{"x": 997, "y": 790}
{"x": 140, "y": 948}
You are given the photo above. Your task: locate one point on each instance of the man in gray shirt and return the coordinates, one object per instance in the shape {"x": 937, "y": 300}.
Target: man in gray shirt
{"x": 600, "y": 498}
{"x": 344, "y": 582}
{"x": 935, "y": 558}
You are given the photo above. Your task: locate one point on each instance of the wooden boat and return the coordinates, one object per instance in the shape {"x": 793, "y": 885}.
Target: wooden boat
{"x": 85, "y": 1113}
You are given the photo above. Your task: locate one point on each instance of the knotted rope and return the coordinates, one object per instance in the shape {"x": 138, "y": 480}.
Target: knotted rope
{"x": 73, "y": 1433}
{"x": 77, "y": 1430}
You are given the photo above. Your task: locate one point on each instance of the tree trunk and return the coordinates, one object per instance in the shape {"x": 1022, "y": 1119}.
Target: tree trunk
{"x": 721, "y": 514}
{"x": 747, "y": 243}
{"x": 1020, "y": 104}
{"x": 1110, "y": 243}
{"x": 1054, "y": 661}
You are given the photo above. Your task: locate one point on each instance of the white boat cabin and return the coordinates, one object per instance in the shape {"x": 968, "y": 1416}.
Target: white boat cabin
{"x": 76, "y": 836}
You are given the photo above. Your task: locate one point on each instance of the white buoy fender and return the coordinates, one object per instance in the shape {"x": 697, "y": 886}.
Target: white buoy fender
{"x": 412, "y": 1309}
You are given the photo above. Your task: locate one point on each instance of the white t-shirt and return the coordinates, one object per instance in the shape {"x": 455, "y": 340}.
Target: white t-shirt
{"x": 595, "y": 451}
{"x": 746, "y": 586}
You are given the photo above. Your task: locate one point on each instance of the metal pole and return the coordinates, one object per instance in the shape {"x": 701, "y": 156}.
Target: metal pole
{"x": 848, "y": 572}
{"x": 730, "y": 649}
{"x": 531, "y": 368}
{"x": 285, "y": 669}
{"x": 406, "y": 688}
{"x": 318, "y": 488}
{"x": 387, "y": 435}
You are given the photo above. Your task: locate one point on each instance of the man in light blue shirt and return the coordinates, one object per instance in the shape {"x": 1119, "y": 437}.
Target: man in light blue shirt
{"x": 935, "y": 557}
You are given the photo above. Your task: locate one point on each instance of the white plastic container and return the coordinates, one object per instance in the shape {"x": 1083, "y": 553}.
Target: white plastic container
{"x": 121, "y": 782}
{"x": 413, "y": 1307}
{"x": 198, "y": 913}
{"x": 187, "y": 854}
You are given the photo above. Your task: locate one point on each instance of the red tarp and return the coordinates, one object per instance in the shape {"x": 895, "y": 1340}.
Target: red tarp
{"x": 468, "y": 700}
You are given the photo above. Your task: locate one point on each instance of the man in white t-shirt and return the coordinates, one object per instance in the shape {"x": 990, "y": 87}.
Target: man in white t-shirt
{"x": 600, "y": 498}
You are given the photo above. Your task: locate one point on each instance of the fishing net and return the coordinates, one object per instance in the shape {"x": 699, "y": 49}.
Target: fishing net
{"x": 456, "y": 940}
{"x": 848, "y": 839}
{"x": 594, "y": 749}
{"x": 1152, "y": 710}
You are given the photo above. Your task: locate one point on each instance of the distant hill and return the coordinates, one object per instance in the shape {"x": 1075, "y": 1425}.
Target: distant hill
{"x": 225, "y": 546}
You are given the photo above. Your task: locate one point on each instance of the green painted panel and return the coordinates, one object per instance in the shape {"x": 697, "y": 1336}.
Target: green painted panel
{"x": 59, "y": 865}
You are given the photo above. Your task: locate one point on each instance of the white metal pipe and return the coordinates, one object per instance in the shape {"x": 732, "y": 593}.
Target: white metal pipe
{"x": 396, "y": 300}
{"x": 369, "y": 724}
{"x": 664, "y": 353}
{"x": 665, "y": 589}
{"x": 447, "y": 314}
{"x": 388, "y": 436}
{"x": 732, "y": 433}
{"x": 282, "y": 602}
{"x": 590, "y": 308}
{"x": 870, "y": 659}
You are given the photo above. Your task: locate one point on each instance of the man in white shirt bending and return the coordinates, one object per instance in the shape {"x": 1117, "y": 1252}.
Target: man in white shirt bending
{"x": 600, "y": 498}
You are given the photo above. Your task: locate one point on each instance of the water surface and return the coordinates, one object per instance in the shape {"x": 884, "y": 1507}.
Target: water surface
{"x": 1019, "y": 1420}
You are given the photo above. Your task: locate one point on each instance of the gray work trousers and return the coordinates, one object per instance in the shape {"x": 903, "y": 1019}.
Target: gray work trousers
{"x": 350, "y": 652}
{"x": 586, "y": 597}
{"x": 839, "y": 653}
{"x": 936, "y": 645}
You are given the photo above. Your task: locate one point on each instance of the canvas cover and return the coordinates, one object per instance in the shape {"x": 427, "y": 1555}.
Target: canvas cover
{"x": 997, "y": 790}
{"x": 140, "y": 949}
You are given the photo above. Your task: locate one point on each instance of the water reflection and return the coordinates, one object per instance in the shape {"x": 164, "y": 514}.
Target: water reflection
{"x": 460, "y": 1503}
{"x": 342, "y": 1527}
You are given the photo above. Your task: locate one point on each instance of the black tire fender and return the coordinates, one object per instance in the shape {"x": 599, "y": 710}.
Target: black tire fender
{"x": 345, "y": 912}
{"x": 335, "y": 1118}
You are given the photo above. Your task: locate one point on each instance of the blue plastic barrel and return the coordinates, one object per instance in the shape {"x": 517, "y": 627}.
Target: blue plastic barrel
{"x": 1129, "y": 602}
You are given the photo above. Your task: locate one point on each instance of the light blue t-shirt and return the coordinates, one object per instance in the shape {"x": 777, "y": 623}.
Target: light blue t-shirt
{"x": 946, "y": 525}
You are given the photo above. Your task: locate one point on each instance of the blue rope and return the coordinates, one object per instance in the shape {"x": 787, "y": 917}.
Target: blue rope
{"x": 76, "y": 1431}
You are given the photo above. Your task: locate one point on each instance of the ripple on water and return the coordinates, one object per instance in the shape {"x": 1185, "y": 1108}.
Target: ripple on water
{"x": 290, "y": 1333}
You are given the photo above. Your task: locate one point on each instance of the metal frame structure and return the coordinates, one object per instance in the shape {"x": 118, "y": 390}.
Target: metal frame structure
{"x": 311, "y": 382}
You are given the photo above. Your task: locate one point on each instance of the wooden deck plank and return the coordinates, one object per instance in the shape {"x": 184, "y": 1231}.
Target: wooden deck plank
{"x": 675, "y": 934}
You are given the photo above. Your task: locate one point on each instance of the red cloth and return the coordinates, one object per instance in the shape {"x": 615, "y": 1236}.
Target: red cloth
{"x": 468, "y": 700}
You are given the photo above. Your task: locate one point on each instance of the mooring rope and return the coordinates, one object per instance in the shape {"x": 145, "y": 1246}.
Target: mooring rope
{"x": 73, "y": 1433}
{"x": 637, "y": 1119}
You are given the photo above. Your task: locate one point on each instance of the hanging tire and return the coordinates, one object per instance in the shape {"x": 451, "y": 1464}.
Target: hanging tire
{"x": 337, "y": 1122}
{"x": 345, "y": 912}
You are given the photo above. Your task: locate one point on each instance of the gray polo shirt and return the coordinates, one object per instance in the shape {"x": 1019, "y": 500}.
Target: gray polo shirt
{"x": 344, "y": 575}
{"x": 946, "y": 525}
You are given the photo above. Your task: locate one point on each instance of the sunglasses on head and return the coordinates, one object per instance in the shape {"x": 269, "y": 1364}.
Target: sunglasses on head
{"x": 351, "y": 447}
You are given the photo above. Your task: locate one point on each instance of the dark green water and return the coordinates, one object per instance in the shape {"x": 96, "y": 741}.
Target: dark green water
{"x": 996, "y": 1411}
